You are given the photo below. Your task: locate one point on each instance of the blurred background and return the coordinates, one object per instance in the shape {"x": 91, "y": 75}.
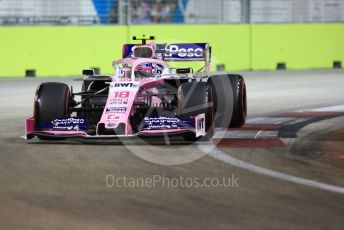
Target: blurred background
{"x": 59, "y": 38}
{"x": 97, "y": 12}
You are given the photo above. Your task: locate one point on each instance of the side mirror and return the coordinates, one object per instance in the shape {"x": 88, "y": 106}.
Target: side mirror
{"x": 184, "y": 70}
{"x": 88, "y": 72}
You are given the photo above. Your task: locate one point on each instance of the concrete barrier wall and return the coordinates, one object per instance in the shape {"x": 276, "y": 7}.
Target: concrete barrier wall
{"x": 59, "y": 51}
{"x": 65, "y": 51}
{"x": 300, "y": 46}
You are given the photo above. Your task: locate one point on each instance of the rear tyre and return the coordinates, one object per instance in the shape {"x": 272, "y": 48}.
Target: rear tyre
{"x": 195, "y": 98}
{"x": 52, "y": 100}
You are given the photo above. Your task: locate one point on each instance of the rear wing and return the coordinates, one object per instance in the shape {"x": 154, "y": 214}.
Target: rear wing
{"x": 176, "y": 52}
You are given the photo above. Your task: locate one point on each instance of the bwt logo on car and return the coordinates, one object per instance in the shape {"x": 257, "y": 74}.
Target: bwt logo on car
{"x": 184, "y": 51}
{"x": 126, "y": 85}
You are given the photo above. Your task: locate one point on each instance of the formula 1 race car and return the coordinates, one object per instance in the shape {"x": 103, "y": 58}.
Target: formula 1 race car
{"x": 144, "y": 97}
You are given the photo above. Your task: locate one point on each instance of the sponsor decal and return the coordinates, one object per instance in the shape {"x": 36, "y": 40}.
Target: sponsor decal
{"x": 67, "y": 124}
{"x": 111, "y": 125}
{"x": 160, "y": 123}
{"x": 116, "y": 109}
{"x": 124, "y": 85}
{"x": 118, "y": 101}
{"x": 181, "y": 51}
{"x": 112, "y": 117}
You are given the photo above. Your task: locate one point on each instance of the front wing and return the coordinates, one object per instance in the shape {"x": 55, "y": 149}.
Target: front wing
{"x": 198, "y": 129}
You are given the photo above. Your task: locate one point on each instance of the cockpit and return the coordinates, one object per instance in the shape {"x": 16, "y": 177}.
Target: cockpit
{"x": 141, "y": 70}
{"x": 149, "y": 70}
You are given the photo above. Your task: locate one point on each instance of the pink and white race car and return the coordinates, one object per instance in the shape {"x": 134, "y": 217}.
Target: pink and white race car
{"x": 143, "y": 98}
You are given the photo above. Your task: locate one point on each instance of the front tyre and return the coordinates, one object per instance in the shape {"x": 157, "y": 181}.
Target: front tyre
{"x": 239, "y": 101}
{"x": 52, "y": 99}
{"x": 195, "y": 98}
{"x": 230, "y": 100}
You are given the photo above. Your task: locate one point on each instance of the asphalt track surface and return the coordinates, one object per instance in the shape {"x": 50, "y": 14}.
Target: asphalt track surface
{"x": 287, "y": 166}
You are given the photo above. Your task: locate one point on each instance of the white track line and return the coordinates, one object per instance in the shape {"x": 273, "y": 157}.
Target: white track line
{"x": 270, "y": 120}
{"x": 246, "y": 134}
{"x": 275, "y": 120}
{"x": 217, "y": 154}
{"x": 336, "y": 108}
